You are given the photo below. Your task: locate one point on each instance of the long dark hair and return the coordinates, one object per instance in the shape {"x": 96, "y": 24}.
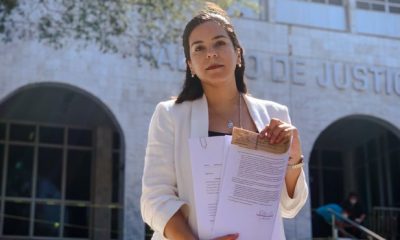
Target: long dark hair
{"x": 192, "y": 88}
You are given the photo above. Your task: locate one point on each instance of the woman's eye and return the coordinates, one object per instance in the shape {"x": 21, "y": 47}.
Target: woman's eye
{"x": 198, "y": 48}
{"x": 220, "y": 43}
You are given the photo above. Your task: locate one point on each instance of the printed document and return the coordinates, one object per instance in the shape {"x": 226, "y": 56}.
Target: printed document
{"x": 250, "y": 193}
{"x": 207, "y": 155}
{"x": 237, "y": 189}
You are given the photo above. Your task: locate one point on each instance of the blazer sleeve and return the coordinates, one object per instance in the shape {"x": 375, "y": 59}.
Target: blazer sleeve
{"x": 159, "y": 199}
{"x": 291, "y": 206}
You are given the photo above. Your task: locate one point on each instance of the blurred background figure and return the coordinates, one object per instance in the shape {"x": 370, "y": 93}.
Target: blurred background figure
{"x": 353, "y": 209}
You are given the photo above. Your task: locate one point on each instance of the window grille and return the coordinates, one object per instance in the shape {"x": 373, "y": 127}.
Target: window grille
{"x": 389, "y": 6}
{"x": 330, "y": 2}
{"x": 45, "y": 182}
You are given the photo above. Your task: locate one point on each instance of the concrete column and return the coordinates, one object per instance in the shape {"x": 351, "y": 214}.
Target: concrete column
{"x": 267, "y": 10}
{"x": 320, "y": 177}
{"x": 387, "y": 163}
{"x": 366, "y": 172}
{"x": 380, "y": 171}
{"x": 350, "y": 15}
{"x": 102, "y": 184}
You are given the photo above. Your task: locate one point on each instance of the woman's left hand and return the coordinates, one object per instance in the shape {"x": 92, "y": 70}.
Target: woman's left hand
{"x": 278, "y": 132}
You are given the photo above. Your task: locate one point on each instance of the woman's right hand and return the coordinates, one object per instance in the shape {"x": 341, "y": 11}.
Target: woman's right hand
{"x": 228, "y": 237}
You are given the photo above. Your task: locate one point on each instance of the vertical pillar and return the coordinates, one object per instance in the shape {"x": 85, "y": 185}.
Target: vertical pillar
{"x": 380, "y": 171}
{"x": 267, "y": 10}
{"x": 366, "y": 173}
{"x": 351, "y": 9}
{"x": 388, "y": 173}
{"x": 5, "y": 167}
{"x": 102, "y": 184}
{"x": 320, "y": 176}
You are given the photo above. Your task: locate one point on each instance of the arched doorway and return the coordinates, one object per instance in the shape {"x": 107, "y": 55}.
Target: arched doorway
{"x": 61, "y": 165}
{"x": 355, "y": 154}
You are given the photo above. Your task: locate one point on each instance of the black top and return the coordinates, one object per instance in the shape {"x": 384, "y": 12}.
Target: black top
{"x": 215, "y": 134}
{"x": 353, "y": 210}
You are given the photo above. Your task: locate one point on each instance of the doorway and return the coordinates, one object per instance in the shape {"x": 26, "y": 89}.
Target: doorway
{"x": 61, "y": 165}
{"x": 355, "y": 154}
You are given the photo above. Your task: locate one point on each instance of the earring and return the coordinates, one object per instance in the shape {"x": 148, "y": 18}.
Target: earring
{"x": 239, "y": 65}
{"x": 192, "y": 75}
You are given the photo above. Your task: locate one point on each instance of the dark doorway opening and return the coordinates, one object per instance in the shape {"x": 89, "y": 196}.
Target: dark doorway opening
{"x": 61, "y": 165}
{"x": 357, "y": 154}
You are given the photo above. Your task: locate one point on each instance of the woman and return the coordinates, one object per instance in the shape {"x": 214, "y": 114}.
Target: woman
{"x": 212, "y": 101}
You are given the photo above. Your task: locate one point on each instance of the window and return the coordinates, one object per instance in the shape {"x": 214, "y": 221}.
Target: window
{"x": 47, "y": 220}
{"x": 391, "y": 6}
{"x": 22, "y": 132}
{"x": 1, "y": 164}
{"x": 16, "y": 218}
{"x": 46, "y": 171}
{"x": 19, "y": 171}
{"x": 78, "y": 182}
{"x": 51, "y": 135}
{"x": 2, "y": 131}
{"x": 331, "y": 2}
{"x": 48, "y": 184}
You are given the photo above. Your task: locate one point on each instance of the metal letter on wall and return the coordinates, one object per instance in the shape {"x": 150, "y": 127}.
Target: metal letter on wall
{"x": 280, "y": 72}
{"x": 360, "y": 82}
{"x": 298, "y": 72}
{"x": 341, "y": 76}
{"x": 252, "y": 66}
{"x": 377, "y": 73}
{"x": 325, "y": 77}
{"x": 396, "y": 83}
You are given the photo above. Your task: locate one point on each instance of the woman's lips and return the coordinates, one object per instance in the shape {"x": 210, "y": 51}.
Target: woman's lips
{"x": 214, "y": 67}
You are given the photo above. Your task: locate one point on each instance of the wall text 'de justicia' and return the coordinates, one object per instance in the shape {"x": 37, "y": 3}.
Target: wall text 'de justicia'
{"x": 304, "y": 71}
{"x": 332, "y": 74}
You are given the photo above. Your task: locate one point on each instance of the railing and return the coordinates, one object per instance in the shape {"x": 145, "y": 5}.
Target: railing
{"x": 335, "y": 229}
{"x": 386, "y": 221}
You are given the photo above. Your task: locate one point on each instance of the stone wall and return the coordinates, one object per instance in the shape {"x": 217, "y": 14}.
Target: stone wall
{"x": 320, "y": 75}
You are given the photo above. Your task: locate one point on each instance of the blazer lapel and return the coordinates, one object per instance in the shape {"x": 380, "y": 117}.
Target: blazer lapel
{"x": 258, "y": 112}
{"x": 199, "y": 118}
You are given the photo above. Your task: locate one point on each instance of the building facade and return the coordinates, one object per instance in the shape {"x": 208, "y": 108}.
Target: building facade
{"x": 73, "y": 124}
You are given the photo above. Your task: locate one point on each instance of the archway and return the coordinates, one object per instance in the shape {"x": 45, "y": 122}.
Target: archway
{"x": 61, "y": 155}
{"x": 355, "y": 154}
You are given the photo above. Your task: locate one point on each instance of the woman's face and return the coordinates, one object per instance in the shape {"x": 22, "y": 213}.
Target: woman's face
{"x": 213, "y": 57}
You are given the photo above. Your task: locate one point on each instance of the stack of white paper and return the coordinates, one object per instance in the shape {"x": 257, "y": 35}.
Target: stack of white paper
{"x": 237, "y": 190}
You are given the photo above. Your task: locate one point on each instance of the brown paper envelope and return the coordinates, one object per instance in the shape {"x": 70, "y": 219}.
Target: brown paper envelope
{"x": 251, "y": 140}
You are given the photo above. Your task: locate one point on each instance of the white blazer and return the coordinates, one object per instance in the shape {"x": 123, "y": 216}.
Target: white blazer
{"x": 167, "y": 180}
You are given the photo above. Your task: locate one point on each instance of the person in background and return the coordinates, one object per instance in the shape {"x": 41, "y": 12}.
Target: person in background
{"x": 353, "y": 209}
{"x": 213, "y": 100}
